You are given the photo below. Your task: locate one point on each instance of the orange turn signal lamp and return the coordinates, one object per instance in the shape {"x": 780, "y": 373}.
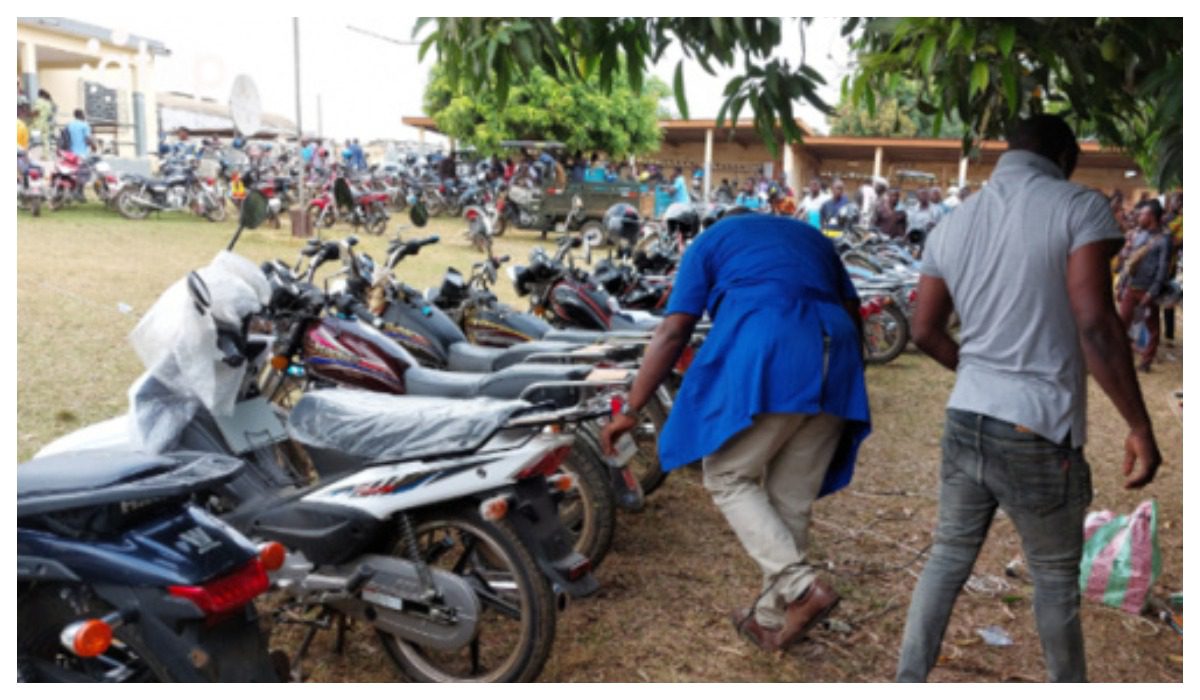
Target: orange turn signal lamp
{"x": 89, "y": 638}
{"x": 272, "y": 554}
{"x": 494, "y": 509}
{"x": 280, "y": 363}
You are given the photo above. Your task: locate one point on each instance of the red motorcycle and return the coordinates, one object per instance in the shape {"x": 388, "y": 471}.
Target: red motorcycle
{"x": 364, "y": 208}
{"x": 66, "y": 180}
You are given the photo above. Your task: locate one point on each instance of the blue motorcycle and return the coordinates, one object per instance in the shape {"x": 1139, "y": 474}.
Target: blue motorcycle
{"x": 123, "y": 577}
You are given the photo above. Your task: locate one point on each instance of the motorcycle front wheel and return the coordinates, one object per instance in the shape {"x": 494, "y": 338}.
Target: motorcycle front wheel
{"x": 517, "y": 615}
{"x": 589, "y": 511}
{"x": 645, "y": 464}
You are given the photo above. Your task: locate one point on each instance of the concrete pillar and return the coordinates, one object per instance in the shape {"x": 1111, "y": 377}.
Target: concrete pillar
{"x": 878, "y": 172}
{"x": 791, "y": 177}
{"x": 139, "y": 111}
{"x": 29, "y": 73}
{"x": 962, "y": 172}
{"x": 421, "y": 137}
{"x": 708, "y": 160}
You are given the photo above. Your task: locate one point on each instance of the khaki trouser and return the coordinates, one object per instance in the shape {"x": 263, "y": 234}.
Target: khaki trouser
{"x": 765, "y": 479}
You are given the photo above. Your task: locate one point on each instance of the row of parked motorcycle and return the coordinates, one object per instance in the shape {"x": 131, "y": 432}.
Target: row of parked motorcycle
{"x": 340, "y": 441}
{"x": 426, "y": 464}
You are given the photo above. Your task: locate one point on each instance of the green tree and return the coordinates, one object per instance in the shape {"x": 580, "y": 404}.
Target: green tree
{"x": 539, "y": 107}
{"x": 896, "y": 114}
{"x": 1109, "y": 71}
{"x": 1121, "y": 79}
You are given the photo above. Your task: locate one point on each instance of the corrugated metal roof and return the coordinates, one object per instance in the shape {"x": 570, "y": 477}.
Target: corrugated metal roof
{"x": 206, "y": 114}
{"x": 85, "y": 30}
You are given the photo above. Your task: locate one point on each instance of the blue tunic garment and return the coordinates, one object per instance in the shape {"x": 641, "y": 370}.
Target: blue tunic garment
{"x": 781, "y": 340}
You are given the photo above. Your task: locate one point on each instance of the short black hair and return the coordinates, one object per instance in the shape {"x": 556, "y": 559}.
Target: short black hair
{"x": 1047, "y": 135}
{"x": 1155, "y": 208}
{"x": 79, "y": 114}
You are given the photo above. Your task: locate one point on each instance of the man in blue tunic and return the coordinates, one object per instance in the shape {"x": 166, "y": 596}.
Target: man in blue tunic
{"x": 775, "y": 402}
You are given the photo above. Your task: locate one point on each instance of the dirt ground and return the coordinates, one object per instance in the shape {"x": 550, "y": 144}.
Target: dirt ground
{"x": 676, "y": 570}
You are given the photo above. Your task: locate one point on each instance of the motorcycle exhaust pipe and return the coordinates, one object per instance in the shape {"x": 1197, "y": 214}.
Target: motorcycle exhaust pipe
{"x": 146, "y": 203}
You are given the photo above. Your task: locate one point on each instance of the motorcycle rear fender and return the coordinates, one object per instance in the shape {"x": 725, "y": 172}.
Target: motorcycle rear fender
{"x": 533, "y": 515}
{"x": 385, "y": 490}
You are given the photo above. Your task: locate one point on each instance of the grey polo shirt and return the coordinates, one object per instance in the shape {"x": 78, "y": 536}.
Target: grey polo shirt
{"x": 1003, "y": 255}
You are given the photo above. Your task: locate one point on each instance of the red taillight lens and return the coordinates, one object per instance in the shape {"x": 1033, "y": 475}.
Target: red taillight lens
{"x": 472, "y": 215}
{"x": 580, "y": 570}
{"x": 35, "y": 174}
{"x": 912, "y": 296}
{"x": 547, "y": 465}
{"x": 616, "y": 404}
{"x": 210, "y": 181}
{"x": 228, "y": 593}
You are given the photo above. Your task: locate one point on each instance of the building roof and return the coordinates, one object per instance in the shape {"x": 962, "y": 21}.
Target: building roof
{"x": 84, "y": 30}
{"x": 677, "y": 131}
{"x": 206, "y": 114}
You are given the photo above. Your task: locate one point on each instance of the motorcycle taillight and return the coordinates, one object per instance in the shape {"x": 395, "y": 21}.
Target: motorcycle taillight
{"x": 227, "y": 593}
{"x": 35, "y": 174}
{"x": 210, "y": 181}
{"x": 472, "y": 215}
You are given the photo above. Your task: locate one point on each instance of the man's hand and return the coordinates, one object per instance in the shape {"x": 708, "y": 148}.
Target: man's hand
{"x": 613, "y": 431}
{"x": 1140, "y": 450}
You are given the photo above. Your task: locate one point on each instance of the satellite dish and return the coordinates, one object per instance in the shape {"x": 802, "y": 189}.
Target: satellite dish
{"x": 245, "y": 107}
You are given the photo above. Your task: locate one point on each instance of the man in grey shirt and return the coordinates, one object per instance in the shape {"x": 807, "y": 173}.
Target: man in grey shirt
{"x": 1025, "y": 263}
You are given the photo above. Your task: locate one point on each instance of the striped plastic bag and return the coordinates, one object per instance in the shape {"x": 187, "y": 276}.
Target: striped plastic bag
{"x": 1120, "y": 557}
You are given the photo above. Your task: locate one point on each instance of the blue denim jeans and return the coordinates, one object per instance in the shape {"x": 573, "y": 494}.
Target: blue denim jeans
{"x": 1045, "y": 489}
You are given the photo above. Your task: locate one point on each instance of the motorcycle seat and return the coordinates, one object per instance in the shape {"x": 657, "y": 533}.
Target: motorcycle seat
{"x": 465, "y": 357}
{"x": 505, "y": 384}
{"x": 87, "y": 478}
{"x": 382, "y": 426}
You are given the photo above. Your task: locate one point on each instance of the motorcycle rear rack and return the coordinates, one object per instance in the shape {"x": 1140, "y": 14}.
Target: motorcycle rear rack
{"x": 573, "y": 384}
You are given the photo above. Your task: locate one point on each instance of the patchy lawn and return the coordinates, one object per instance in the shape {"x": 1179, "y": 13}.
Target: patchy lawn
{"x": 676, "y": 570}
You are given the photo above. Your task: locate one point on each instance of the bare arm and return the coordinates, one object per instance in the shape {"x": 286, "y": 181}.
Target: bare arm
{"x": 660, "y": 357}
{"x": 934, "y": 306}
{"x": 1106, "y": 351}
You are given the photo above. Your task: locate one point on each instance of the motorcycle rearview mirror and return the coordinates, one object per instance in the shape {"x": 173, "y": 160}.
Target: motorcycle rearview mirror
{"x": 418, "y": 215}
{"x": 198, "y": 290}
{"x": 253, "y": 213}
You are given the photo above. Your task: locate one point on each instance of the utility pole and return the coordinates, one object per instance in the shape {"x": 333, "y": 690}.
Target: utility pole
{"x": 299, "y": 124}
{"x": 320, "y": 120}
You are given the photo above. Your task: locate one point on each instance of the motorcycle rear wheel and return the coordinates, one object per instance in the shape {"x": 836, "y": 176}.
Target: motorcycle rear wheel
{"x": 128, "y": 208}
{"x": 517, "y": 616}
{"x": 885, "y": 335}
{"x": 35, "y": 206}
{"x": 589, "y": 511}
{"x": 645, "y": 464}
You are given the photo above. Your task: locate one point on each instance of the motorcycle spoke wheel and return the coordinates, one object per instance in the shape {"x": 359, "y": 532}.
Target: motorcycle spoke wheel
{"x": 517, "y": 614}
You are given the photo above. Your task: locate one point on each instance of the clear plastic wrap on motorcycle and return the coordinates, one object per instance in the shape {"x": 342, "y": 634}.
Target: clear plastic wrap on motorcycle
{"x": 382, "y": 426}
{"x": 178, "y": 345}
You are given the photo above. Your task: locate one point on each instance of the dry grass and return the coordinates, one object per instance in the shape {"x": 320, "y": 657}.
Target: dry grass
{"x": 676, "y": 569}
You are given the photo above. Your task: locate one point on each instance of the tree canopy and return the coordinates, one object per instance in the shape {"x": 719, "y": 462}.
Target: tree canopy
{"x": 896, "y": 114}
{"x": 539, "y": 107}
{"x": 1121, "y": 77}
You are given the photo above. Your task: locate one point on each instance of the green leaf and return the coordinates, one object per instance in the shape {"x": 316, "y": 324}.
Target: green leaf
{"x": 926, "y": 53}
{"x": 1011, "y": 90}
{"x": 680, "y": 94}
{"x": 1006, "y": 36}
{"x": 979, "y": 77}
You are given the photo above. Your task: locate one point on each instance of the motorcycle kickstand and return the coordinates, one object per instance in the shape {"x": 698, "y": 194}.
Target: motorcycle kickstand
{"x": 339, "y": 639}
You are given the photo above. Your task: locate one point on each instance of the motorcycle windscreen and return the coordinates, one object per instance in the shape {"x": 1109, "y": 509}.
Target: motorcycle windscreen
{"x": 382, "y": 427}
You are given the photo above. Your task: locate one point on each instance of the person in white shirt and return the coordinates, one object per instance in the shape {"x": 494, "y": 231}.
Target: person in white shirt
{"x": 809, "y": 208}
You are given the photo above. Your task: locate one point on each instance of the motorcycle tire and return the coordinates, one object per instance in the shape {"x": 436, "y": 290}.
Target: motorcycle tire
{"x": 501, "y": 226}
{"x": 645, "y": 464}
{"x": 589, "y": 511}
{"x": 42, "y": 615}
{"x": 455, "y": 208}
{"x": 128, "y": 208}
{"x": 214, "y": 209}
{"x": 885, "y": 335}
{"x": 519, "y": 616}
{"x": 377, "y": 220}
{"x": 316, "y": 218}
{"x": 35, "y": 207}
{"x": 435, "y": 206}
{"x": 57, "y": 199}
